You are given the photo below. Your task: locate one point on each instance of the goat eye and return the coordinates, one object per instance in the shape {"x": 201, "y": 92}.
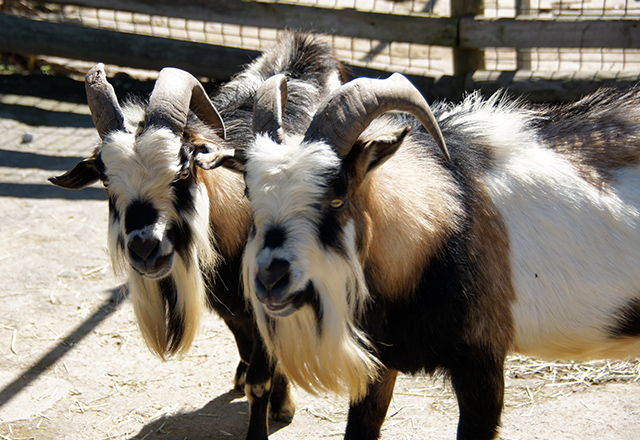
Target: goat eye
{"x": 184, "y": 174}
{"x": 336, "y": 203}
{"x": 105, "y": 183}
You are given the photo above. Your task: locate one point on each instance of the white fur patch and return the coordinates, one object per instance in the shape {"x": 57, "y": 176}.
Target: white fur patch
{"x": 283, "y": 185}
{"x": 574, "y": 249}
{"x": 143, "y": 168}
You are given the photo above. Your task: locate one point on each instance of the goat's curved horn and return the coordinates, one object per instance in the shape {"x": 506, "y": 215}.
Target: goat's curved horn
{"x": 175, "y": 92}
{"x": 103, "y": 103}
{"x": 349, "y": 110}
{"x": 268, "y": 107}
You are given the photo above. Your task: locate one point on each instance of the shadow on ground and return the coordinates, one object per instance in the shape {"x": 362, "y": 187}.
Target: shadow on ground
{"x": 109, "y": 306}
{"x": 225, "y": 417}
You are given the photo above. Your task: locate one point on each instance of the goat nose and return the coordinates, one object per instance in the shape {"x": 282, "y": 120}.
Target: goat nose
{"x": 275, "y": 275}
{"x": 143, "y": 248}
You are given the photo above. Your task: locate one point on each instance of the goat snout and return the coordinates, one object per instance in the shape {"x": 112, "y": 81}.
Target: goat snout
{"x": 272, "y": 284}
{"x": 275, "y": 276}
{"x": 146, "y": 258}
{"x": 143, "y": 248}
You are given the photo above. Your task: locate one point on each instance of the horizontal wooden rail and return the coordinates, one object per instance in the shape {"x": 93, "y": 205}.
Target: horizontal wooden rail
{"x": 463, "y": 33}
{"x": 415, "y": 28}
{"x": 557, "y": 33}
{"x": 23, "y": 35}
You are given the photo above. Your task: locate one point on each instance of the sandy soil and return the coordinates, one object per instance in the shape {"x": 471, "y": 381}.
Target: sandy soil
{"x": 72, "y": 362}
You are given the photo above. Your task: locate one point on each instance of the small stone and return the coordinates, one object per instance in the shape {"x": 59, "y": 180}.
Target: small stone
{"x": 26, "y": 138}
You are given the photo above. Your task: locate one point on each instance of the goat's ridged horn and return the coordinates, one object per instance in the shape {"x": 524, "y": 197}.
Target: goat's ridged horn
{"x": 103, "y": 103}
{"x": 349, "y": 110}
{"x": 175, "y": 92}
{"x": 268, "y": 107}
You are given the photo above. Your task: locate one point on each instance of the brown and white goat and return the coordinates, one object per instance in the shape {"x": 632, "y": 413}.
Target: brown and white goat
{"x": 177, "y": 228}
{"x": 378, "y": 248}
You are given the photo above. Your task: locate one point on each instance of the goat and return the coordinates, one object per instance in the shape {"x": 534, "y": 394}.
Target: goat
{"x": 377, "y": 247}
{"x": 179, "y": 228}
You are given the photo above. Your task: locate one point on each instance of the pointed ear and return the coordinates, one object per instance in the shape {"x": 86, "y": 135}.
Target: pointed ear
{"x": 82, "y": 175}
{"x": 376, "y": 152}
{"x": 207, "y": 159}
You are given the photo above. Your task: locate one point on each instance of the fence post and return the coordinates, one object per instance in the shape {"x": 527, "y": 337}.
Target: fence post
{"x": 523, "y": 56}
{"x": 466, "y": 61}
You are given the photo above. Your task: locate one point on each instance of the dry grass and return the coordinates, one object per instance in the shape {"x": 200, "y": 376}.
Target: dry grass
{"x": 573, "y": 373}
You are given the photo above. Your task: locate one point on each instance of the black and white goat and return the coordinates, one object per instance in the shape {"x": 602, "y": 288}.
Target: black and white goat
{"x": 178, "y": 229}
{"x": 373, "y": 252}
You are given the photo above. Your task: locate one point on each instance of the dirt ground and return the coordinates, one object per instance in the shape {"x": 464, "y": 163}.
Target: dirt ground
{"x": 73, "y": 364}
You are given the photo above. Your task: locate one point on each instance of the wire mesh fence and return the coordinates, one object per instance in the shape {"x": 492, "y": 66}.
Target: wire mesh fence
{"x": 409, "y": 56}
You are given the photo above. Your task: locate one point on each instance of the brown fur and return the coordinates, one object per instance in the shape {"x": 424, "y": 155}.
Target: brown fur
{"x": 225, "y": 188}
{"x": 230, "y": 227}
{"x": 490, "y": 317}
{"x": 599, "y": 133}
{"x": 598, "y": 156}
{"x": 402, "y": 230}
{"x": 369, "y": 414}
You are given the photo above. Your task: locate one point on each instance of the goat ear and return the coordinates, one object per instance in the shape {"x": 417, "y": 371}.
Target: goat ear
{"x": 82, "y": 175}
{"x": 377, "y": 151}
{"x": 228, "y": 158}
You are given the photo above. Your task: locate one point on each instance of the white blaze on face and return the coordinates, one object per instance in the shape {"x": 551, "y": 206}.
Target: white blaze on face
{"x": 142, "y": 169}
{"x": 319, "y": 344}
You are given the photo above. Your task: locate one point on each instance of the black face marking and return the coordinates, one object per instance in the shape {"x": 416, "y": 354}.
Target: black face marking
{"x": 330, "y": 231}
{"x": 275, "y": 237}
{"x": 175, "y": 321}
{"x": 181, "y": 235}
{"x": 628, "y": 320}
{"x": 331, "y": 221}
{"x": 313, "y": 300}
{"x": 138, "y": 215}
{"x": 186, "y": 163}
{"x": 184, "y": 200}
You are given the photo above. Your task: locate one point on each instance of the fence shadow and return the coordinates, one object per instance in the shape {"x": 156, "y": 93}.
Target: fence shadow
{"x": 44, "y": 190}
{"x": 225, "y": 417}
{"x": 38, "y": 117}
{"x": 49, "y": 191}
{"x": 25, "y": 159}
{"x": 109, "y": 306}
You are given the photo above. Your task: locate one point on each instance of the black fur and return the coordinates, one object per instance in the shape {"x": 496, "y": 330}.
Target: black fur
{"x": 305, "y": 61}
{"x": 138, "y": 215}
{"x": 175, "y": 322}
{"x": 628, "y": 323}
{"x": 332, "y": 219}
{"x": 275, "y": 237}
{"x": 309, "y": 64}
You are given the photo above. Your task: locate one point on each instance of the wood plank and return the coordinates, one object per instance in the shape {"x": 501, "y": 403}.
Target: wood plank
{"x": 348, "y": 22}
{"x": 22, "y": 35}
{"x": 467, "y": 60}
{"x": 550, "y": 86}
{"x": 531, "y": 33}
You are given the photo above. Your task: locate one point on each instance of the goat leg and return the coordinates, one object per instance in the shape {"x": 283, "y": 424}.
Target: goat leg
{"x": 478, "y": 381}
{"x": 366, "y": 416}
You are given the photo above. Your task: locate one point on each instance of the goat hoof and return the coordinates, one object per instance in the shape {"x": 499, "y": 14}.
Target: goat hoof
{"x": 285, "y": 411}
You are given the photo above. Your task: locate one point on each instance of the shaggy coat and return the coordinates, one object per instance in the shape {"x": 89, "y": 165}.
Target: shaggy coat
{"x": 381, "y": 256}
{"x": 178, "y": 229}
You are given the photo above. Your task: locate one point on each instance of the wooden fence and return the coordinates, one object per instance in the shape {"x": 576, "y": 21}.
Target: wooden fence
{"x": 465, "y": 32}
